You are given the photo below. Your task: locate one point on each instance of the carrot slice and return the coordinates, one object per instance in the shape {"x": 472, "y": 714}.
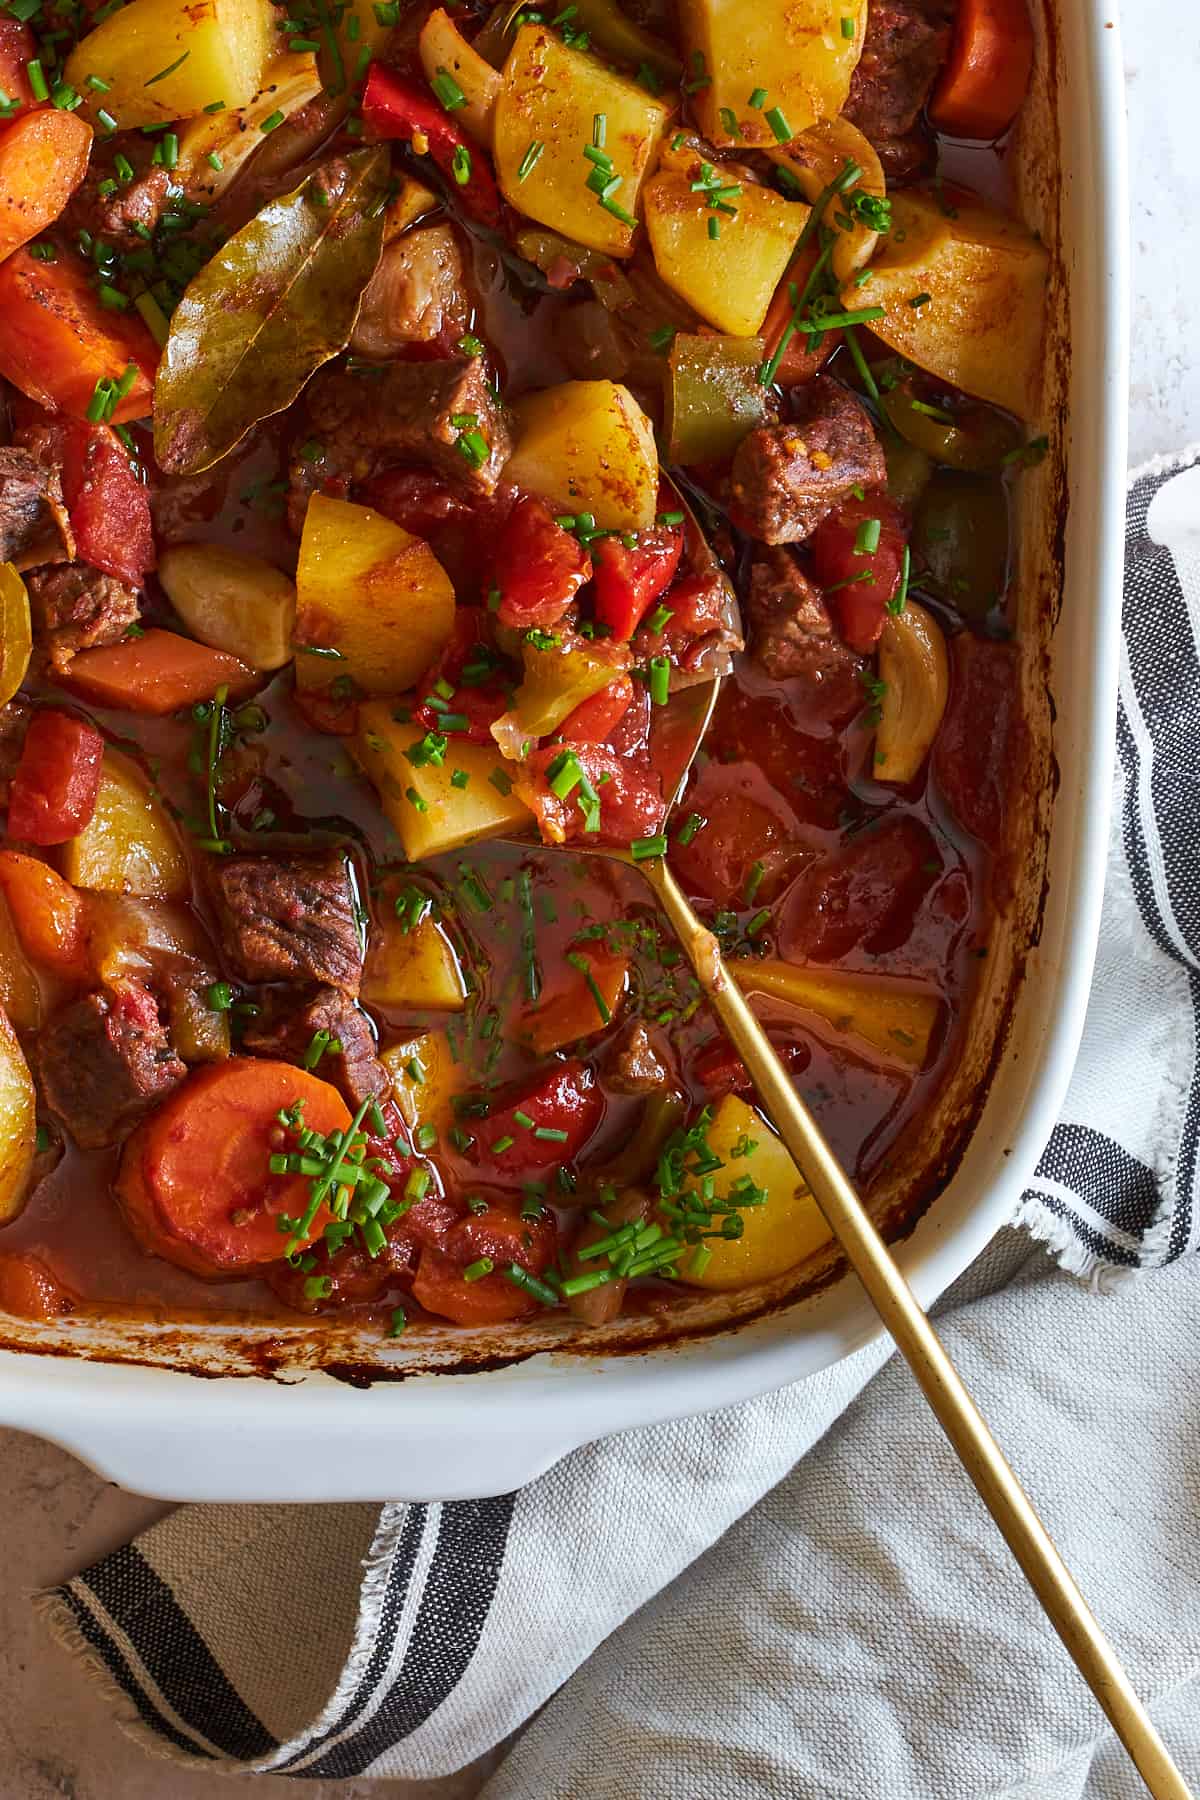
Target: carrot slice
{"x": 49, "y": 914}
{"x": 195, "y": 1182}
{"x": 582, "y": 1006}
{"x": 43, "y": 158}
{"x": 987, "y": 74}
{"x": 156, "y": 673}
{"x": 30, "y": 1290}
{"x": 57, "y": 341}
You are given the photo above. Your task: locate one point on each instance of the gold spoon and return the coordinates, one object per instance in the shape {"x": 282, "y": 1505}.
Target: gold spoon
{"x": 679, "y": 730}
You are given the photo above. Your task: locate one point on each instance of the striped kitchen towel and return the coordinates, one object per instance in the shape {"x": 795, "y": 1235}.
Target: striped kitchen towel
{"x": 764, "y": 1601}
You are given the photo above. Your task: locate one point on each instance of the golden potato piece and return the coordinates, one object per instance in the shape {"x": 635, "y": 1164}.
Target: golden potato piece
{"x": 429, "y": 810}
{"x": 425, "y": 1078}
{"x": 418, "y": 967}
{"x": 730, "y": 279}
{"x": 131, "y": 844}
{"x": 20, "y": 991}
{"x": 816, "y": 159}
{"x": 777, "y": 1235}
{"x": 799, "y": 51}
{"x": 964, "y": 298}
{"x": 372, "y": 594}
{"x": 18, "y": 1123}
{"x": 545, "y": 121}
{"x": 587, "y": 446}
{"x": 231, "y": 601}
{"x": 885, "y": 1014}
{"x": 169, "y": 59}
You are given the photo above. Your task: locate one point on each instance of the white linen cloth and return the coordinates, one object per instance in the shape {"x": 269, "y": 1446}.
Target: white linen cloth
{"x": 800, "y": 1596}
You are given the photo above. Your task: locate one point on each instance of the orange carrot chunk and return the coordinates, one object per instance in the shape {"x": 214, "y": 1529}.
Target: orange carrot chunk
{"x": 156, "y": 673}
{"x": 49, "y": 914}
{"x": 195, "y": 1182}
{"x": 57, "y": 341}
{"x": 987, "y": 75}
{"x": 43, "y": 157}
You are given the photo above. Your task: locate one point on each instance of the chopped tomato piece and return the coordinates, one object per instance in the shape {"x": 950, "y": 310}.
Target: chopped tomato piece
{"x": 859, "y": 579}
{"x": 30, "y": 1290}
{"x": 594, "y": 719}
{"x": 623, "y": 794}
{"x": 630, "y": 580}
{"x": 456, "y": 1282}
{"x": 586, "y": 1002}
{"x": 976, "y": 751}
{"x": 459, "y": 528}
{"x": 49, "y": 914}
{"x": 394, "y": 107}
{"x": 866, "y": 895}
{"x": 745, "y": 844}
{"x": 538, "y": 568}
{"x": 156, "y": 673}
{"x": 17, "y": 50}
{"x": 986, "y": 76}
{"x": 57, "y": 341}
{"x": 537, "y": 1124}
{"x": 109, "y": 506}
{"x": 53, "y": 792}
{"x": 467, "y": 681}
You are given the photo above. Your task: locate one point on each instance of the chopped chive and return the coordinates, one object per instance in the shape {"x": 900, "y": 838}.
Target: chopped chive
{"x": 37, "y": 79}
{"x": 847, "y": 26}
{"x": 866, "y": 541}
{"x": 758, "y": 99}
{"x": 529, "y": 160}
{"x": 780, "y": 128}
{"x": 691, "y": 825}
{"x": 448, "y": 90}
{"x": 660, "y": 680}
{"x": 461, "y": 165}
{"x": 215, "y": 161}
{"x": 644, "y": 849}
{"x": 270, "y": 123}
{"x": 169, "y": 70}
{"x": 399, "y": 1316}
{"x": 477, "y": 1270}
{"x": 502, "y": 1144}
{"x": 521, "y": 1278}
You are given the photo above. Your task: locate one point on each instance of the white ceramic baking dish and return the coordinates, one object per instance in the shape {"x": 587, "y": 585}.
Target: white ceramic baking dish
{"x": 289, "y": 1415}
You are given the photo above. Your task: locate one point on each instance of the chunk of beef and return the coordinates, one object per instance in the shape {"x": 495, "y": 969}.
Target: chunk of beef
{"x": 906, "y": 43}
{"x": 355, "y": 1277}
{"x": 290, "y": 918}
{"x": 637, "y": 1068}
{"x": 30, "y": 502}
{"x": 792, "y": 632}
{"x": 105, "y": 1060}
{"x": 404, "y": 412}
{"x": 417, "y": 295}
{"x": 76, "y": 607}
{"x": 786, "y": 478}
{"x": 288, "y": 1028}
{"x": 121, "y": 218}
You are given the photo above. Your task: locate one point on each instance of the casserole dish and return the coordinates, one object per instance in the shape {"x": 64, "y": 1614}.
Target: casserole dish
{"x": 267, "y": 1412}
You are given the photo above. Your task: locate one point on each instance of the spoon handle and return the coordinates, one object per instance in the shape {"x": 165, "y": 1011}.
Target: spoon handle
{"x": 921, "y": 1347}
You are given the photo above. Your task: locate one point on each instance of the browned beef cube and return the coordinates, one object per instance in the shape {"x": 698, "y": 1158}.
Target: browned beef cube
{"x": 906, "y": 43}
{"x": 26, "y": 489}
{"x": 104, "y": 1061}
{"x": 792, "y": 632}
{"x": 291, "y": 1025}
{"x": 406, "y": 412}
{"x": 116, "y": 216}
{"x": 786, "y": 478}
{"x": 289, "y": 918}
{"x": 637, "y": 1067}
{"x": 76, "y": 607}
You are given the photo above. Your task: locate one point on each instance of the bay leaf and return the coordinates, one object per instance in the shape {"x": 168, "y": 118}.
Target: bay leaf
{"x": 275, "y": 302}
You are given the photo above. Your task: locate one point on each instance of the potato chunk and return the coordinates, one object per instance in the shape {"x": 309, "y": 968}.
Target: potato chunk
{"x": 370, "y": 591}
{"x": 545, "y": 119}
{"x": 20, "y": 991}
{"x": 886, "y": 1014}
{"x": 965, "y": 298}
{"x": 425, "y": 1078}
{"x": 730, "y": 279}
{"x": 130, "y": 845}
{"x": 18, "y": 1123}
{"x": 231, "y": 601}
{"x": 213, "y": 50}
{"x": 799, "y": 51}
{"x": 816, "y": 158}
{"x": 418, "y": 967}
{"x": 587, "y": 446}
{"x": 430, "y": 812}
{"x": 775, "y": 1236}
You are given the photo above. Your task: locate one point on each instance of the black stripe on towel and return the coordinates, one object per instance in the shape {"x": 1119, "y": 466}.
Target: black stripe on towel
{"x": 1100, "y": 1245}
{"x": 395, "y": 1594}
{"x": 454, "y": 1606}
{"x": 176, "y": 1657}
{"x": 1103, "y": 1173}
{"x": 114, "y": 1661}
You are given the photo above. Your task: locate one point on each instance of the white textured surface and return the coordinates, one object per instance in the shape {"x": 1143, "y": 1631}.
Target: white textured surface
{"x": 56, "y": 1738}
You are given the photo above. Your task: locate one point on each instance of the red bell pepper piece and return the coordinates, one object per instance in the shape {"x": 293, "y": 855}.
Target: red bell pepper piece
{"x": 629, "y": 581}
{"x": 53, "y": 792}
{"x": 109, "y": 506}
{"x": 594, "y": 718}
{"x": 865, "y": 579}
{"x": 394, "y": 107}
{"x": 538, "y": 568}
{"x": 563, "y": 1103}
